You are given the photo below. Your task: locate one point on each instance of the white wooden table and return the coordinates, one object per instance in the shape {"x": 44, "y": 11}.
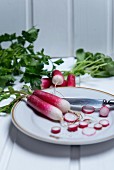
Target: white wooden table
{"x": 20, "y": 152}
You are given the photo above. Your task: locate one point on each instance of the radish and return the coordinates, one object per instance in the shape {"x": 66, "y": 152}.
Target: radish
{"x": 58, "y": 102}
{"x": 62, "y": 85}
{"x": 88, "y": 120}
{"x": 55, "y": 129}
{"x": 45, "y": 108}
{"x": 72, "y": 127}
{"x": 104, "y": 111}
{"x": 104, "y": 122}
{"x": 88, "y": 109}
{"x": 57, "y": 77}
{"x": 89, "y": 131}
{"x": 70, "y": 117}
{"x": 83, "y": 124}
{"x": 98, "y": 126}
{"x": 45, "y": 83}
{"x": 71, "y": 80}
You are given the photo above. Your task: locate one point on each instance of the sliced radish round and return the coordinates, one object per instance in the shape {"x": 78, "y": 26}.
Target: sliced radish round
{"x": 89, "y": 131}
{"x": 98, "y": 126}
{"x": 104, "y": 122}
{"x": 104, "y": 111}
{"x": 83, "y": 124}
{"x": 70, "y": 117}
{"x": 88, "y": 120}
{"x": 55, "y": 129}
{"x": 73, "y": 127}
{"x": 88, "y": 109}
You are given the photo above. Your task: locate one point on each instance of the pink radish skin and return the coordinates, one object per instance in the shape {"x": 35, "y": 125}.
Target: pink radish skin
{"x": 88, "y": 109}
{"x": 58, "y": 102}
{"x": 45, "y": 108}
{"x": 55, "y": 129}
{"x": 98, "y": 126}
{"x": 89, "y": 131}
{"x": 104, "y": 122}
{"x": 83, "y": 124}
{"x": 104, "y": 111}
{"x": 57, "y": 77}
{"x": 72, "y": 127}
{"x": 71, "y": 80}
{"x": 70, "y": 117}
{"x": 45, "y": 83}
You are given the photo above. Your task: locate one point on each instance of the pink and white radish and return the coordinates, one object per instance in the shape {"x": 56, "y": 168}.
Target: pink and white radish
{"x": 71, "y": 80}
{"x": 57, "y": 77}
{"x": 83, "y": 124}
{"x": 104, "y": 111}
{"x": 45, "y": 83}
{"x": 56, "y": 129}
{"x": 98, "y": 126}
{"x": 88, "y": 109}
{"x": 104, "y": 122}
{"x": 70, "y": 117}
{"x": 89, "y": 131}
{"x": 58, "y": 102}
{"x": 72, "y": 127}
{"x": 45, "y": 108}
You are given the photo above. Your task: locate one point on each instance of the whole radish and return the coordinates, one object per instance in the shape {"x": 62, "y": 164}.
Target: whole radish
{"x": 45, "y": 83}
{"x": 58, "y": 102}
{"x": 45, "y": 108}
{"x": 57, "y": 77}
{"x": 71, "y": 80}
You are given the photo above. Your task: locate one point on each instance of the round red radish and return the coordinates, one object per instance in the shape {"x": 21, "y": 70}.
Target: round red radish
{"x": 104, "y": 122}
{"x": 98, "y": 126}
{"x": 71, "y": 80}
{"x": 45, "y": 83}
{"x": 57, "y": 77}
{"x": 56, "y": 101}
{"x": 88, "y": 109}
{"x": 89, "y": 131}
{"x": 70, "y": 117}
{"x": 83, "y": 124}
{"x": 72, "y": 127}
{"x": 45, "y": 108}
{"x": 104, "y": 111}
{"x": 56, "y": 129}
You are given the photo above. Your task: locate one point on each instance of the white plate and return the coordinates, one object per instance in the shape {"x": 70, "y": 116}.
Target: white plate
{"x": 35, "y": 126}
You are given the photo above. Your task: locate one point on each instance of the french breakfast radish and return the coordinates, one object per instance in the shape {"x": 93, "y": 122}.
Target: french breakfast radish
{"x": 45, "y": 108}
{"x": 57, "y": 77}
{"x": 45, "y": 83}
{"x": 56, "y": 101}
{"x": 71, "y": 80}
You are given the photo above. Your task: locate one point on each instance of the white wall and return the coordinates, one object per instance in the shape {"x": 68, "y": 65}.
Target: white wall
{"x": 65, "y": 25}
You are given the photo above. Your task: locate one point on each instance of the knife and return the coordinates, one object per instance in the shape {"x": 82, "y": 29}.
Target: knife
{"x": 77, "y": 103}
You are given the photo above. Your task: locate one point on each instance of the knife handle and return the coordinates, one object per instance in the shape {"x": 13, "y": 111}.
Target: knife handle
{"x": 109, "y": 102}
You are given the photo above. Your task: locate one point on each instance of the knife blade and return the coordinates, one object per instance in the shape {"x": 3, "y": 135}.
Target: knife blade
{"x": 77, "y": 103}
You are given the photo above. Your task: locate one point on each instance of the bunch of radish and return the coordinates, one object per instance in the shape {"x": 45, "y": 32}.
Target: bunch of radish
{"x": 57, "y": 79}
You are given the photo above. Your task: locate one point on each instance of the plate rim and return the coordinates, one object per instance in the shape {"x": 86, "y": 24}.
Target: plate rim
{"x": 57, "y": 141}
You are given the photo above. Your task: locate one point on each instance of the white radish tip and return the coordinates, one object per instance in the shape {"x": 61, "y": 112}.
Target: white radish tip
{"x": 88, "y": 109}
{"x": 89, "y": 131}
{"x": 57, "y": 80}
{"x": 55, "y": 129}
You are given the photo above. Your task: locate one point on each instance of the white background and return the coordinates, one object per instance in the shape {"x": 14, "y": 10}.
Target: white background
{"x": 65, "y": 25}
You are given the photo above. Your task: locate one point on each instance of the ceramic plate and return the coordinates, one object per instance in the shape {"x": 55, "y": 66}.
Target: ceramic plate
{"x": 35, "y": 126}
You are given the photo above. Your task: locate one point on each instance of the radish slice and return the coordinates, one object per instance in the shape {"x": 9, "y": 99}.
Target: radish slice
{"x": 88, "y": 109}
{"x": 88, "y": 121}
{"x": 55, "y": 129}
{"x": 89, "y": 131}
{"x": 70, "y": 117}
{"x": 98, "y": 126}
{"x": 83, "y": 124}
{"x": 104, "y": 122}
{"x": 104, "y": 111}
{"x": 73, "y": 127}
